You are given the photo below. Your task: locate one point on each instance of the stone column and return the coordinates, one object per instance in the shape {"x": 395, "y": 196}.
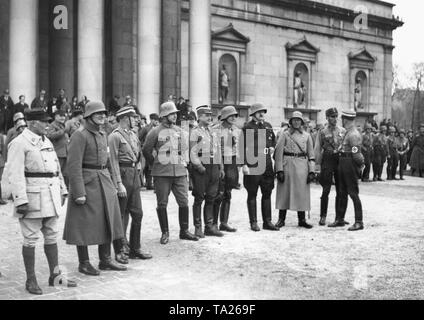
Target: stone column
{"x": 200, "y": 53}
{"x": 149, "y": 55}
{"x": 90, "y": 49}
{"x": 23, "y": 48}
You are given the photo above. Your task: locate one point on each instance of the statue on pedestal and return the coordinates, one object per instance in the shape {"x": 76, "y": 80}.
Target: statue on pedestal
{"x": 299, "y": 90}
{"x": 358, "y": 94}
{"x": 224, "y": 84}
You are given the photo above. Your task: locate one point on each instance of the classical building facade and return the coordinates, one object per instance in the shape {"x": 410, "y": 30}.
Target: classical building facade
{"x": 287, "y": 54}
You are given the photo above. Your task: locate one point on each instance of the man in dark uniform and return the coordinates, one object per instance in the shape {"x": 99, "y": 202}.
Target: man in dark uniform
{"x": 207, "y": 169}
{"x": 393, "y": 156}
{"x": 402, "y": 144}
{"x": 230, "y": 135}
{"x": 6, "y": 109}
{"x": 351, "y": 162}
{"x": 380, "y": 153}
{"x": 259, "y": 142}
{"x": 147, "y": 171}
{"x": 327, "y": 145}
{"x": 166, "y": 150}
{"x": 93, "y": 216}
{"x": 124, "y": 156}
{"x": 367, "y": 151}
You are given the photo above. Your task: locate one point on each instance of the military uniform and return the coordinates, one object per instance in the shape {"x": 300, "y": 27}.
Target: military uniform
{"x": 38, "y": 192}
{"x": 380, "y": 153}
{"x": 367, "y": 151}
{"x": 124, "y": 156}
{"x": 327, "y": 144}
{"x": 402, "y": 146}
{"x": 166, "y": 151}
{"x": 258, "y": 158}
{"x": 350, "y": 162}
{"x": 205, "y": 160}
{"x": 393, "y": 159}
{"x": 97, "y": 221}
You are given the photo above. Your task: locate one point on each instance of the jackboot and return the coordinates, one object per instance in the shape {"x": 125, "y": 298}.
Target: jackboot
{"x": 197, "y": 221}
{"x": 31, "y": 284}
{"x": 211, "y": 229}
{"x": 302, "y": 220}
{"x": 106, "y": 262}
{"x": 224, "y": 214}
{"x": 51, "y": 252}
{"x": 357, "y": 226}
{"x": 281, "y": 219}
{"x": 215, "y": 211}
{"x": 253, "y": 219}
{"x": 324, "y": 210}
{"x": 267, "y": 215}
{"x": 184, "y": 233}
{"x": 120, "y": 257}
{"x": 163, "y": 222}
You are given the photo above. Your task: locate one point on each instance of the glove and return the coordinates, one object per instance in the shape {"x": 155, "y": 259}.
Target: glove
{"x": 311, "y": 177}
{"x": 81, "y": 201}
{"x": 23, "y": 209}
{"x": 281, "y": 177}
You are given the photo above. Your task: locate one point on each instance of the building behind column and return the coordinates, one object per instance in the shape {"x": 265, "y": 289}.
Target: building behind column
{"x": 307, "y": 56}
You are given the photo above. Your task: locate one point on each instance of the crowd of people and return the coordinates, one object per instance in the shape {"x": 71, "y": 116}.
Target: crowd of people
{"x": 99, "y": 158}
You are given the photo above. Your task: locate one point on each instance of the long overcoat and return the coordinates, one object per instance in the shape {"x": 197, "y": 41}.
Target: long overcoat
{"x": 294, "y": 194}
{"x": 99, "y": 220}
{"x": 417, "y": 157}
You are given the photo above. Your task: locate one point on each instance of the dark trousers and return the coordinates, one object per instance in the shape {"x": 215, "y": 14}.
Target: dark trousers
{"x": 329, "y": 171}
{"x": 104, "y": 253}
{"x": 130, "y": 206}
{"x": 348, "y": 178}
{"x": 392, "y": 164}
{"x": 403, "y": 159}
{"x": 253, "y": 183}
{"x": 148, "y": 177}
{"x": 368, "y": 161}
{"x": 379, "y": 159}
{"x": 178, "y": 186}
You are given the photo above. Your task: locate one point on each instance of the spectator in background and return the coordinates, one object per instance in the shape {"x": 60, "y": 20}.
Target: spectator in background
{"x": 410, "y": 137}
{"x": 3, "y": 150}
{"x": 6, "y": 108}
{"x": 52, "y": 107}
{"x": 74, "y": 123}
{"x": 66, "y": 107}
{"x": 74, "y": 103}
{"x": 128, "y": 101}
{"x": 14, "y": 132}
{"x": 20, "y": 107}
{"x": 61, "y": 97}
{"x": 417, "y": 157}
{"x": 40, "y": 102}
{"x": 114, "y": 104}
{"x": 83, "y": 103}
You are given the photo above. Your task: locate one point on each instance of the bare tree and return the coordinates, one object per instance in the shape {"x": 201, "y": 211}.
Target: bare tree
{"x": 418, "y": 69}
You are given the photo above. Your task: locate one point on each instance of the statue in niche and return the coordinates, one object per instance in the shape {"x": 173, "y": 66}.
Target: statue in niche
{"x": 299, "y": 90}
{"x": 224, "y": 84}
{"x": 358, "y": 94}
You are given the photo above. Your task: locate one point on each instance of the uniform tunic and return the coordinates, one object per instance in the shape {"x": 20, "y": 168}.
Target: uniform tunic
{"x": 98, "y": 221}
{"x": 417, "y": 157}
{"x": 294, "y": 194}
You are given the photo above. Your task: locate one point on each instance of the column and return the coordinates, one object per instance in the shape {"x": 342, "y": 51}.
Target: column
{"x": 149, "y": 55}
{"x": 23, "y": 48}
{"x": 200, "y": 53}
{"x": 90, "y": 49}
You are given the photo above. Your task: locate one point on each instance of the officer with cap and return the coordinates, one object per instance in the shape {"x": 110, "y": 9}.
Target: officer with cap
{"x": 381, "y": 151}
{"x": 38, "y": 192}
{"x": 402, "y": 145}
{"x": 207, "y": 169}
{"x": 327, "y": 145}
{"x": 166, "y": 151}
{"x": 93, "y": 216}
{"x": 259, "y": 142}
{"x": 147, "y": 170}
{"x": 367, "y": 151}
{"x": 351, "y": 162}
{"x": 393, "y": 157}
{"x": 124, "y": 156}
{"x": 229, "y": 135}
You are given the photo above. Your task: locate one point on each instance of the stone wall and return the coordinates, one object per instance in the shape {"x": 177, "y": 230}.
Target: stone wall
{"x": 4, "y": 44}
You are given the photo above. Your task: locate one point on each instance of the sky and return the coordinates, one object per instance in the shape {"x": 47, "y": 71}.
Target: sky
{"x": 408, "y": 40}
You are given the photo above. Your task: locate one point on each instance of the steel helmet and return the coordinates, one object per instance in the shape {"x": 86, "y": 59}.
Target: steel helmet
{"x": 93, "y": 107}
{"x": 167, "y": 108}
{"x": 297, "y": 115}
{"x": 257, "y": 107}
{"x": 228, "y": 112}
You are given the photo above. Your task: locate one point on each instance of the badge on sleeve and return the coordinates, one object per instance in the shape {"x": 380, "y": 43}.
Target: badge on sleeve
{"x": 355, "y": 150}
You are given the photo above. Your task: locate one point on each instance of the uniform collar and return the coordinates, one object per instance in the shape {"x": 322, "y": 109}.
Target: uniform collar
{"x": 31, "y": 136}
{"x": 92, "y": 127}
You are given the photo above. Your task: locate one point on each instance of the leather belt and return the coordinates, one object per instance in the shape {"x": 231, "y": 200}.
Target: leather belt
{"x": 296, "y": 155}
{"x": 127, "y": 164}
{"x": 41, "y": 174}
{"x": 93, "y": 167}
{"x": 346, "y": 154}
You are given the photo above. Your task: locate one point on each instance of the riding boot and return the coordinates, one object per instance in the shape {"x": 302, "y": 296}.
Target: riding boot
{"x": 163, "y": 222}
{"x": 302, "y": 220}
{"x": 184, "y": 233}
{"x": 224, "y": 214}
{"x": 211, "y": 228}
{"x": 52, "y": 255}
{"x": 197, "y": 221}
{"x": 281, "y": 219}
{"x": 324, "y": 210}
{"x": 31, "y": 284}
{"x": 267, "y": 215}
{"x": 252, "y": 211}
{"x": 106, "y": 262}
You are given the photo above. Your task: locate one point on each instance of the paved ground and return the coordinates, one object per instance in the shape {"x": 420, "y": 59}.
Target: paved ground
{"x": 385, "y": 261}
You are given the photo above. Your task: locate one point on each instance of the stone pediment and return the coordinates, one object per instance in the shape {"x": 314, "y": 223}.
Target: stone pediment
{"x": 302, "y": 50}
{"x": 228, "y": 38}
{"x": 362, "y": 59}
